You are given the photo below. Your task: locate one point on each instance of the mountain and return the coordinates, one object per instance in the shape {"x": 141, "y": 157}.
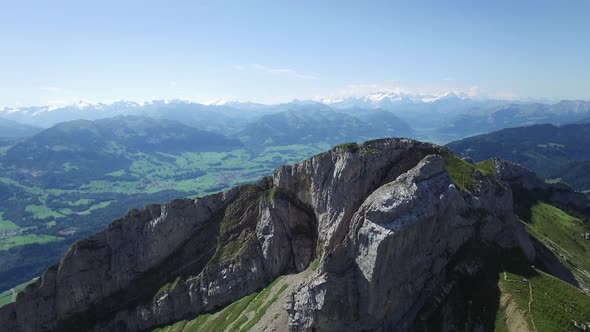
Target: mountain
{"x": 218, "y": 118}
{"x": 387, "y": 100}
{"x": 439, "y": 118}
{"x": 47, "y": 116}
{"x": 70, "y": 180}
{"x": 423, "y": 111}
{"x": 514, "y": 115}
{"x": 381, "y": 123}
{"x": 392, "y": 234}
{"x": 551, "y": 151}
{"x": 13, "y": 129}
{"x": 87, "y": 150}
{"x": 310, "y": 125}
{"x": 575, "y": 173}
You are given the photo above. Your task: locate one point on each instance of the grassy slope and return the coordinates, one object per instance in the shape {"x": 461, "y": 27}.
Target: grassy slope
{"x": 7, "y": 296}
{"x": 509, "y": 295}
{"x": 539, "y": 302}
{"x": 563, "y": 234}
{"x": 241, "y": 315}
{"x": 554, "y": 304}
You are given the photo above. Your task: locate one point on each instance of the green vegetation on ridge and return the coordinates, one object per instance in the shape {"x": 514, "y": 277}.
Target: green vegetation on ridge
{"x": 241, "y": 315}
{"x": 563, "y": 234}
{"x": 463, "y": 173}
{"x": 508, "y": 294}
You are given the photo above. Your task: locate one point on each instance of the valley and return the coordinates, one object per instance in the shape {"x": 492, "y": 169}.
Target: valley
{"x": 35, "y": 217}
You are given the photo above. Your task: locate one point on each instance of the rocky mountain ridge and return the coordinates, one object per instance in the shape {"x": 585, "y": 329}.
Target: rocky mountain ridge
{"x": 384, "y": 221}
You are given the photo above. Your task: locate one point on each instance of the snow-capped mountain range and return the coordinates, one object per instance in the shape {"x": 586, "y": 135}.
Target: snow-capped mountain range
{"x": 452, "y": 109}
{"x": 381, "y": 99}
{"x": 373, "y": 100}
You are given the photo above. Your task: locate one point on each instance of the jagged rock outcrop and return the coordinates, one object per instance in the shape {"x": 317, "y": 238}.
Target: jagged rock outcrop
{"x": 521, "y": 179}
{"x": 396, "y": 248}
{"x": 383, "y": 218}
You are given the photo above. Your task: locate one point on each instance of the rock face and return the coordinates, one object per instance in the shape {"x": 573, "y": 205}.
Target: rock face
{"x": 397, "y": 245}
{"x": 384, "y": 219}
{"x": 521, "y": 179}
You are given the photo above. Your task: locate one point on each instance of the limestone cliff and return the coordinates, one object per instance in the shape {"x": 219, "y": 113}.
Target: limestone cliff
{"x": 383, "y": 219}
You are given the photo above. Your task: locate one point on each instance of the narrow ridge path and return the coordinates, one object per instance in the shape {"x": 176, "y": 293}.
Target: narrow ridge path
{"x": 531, "y": 304}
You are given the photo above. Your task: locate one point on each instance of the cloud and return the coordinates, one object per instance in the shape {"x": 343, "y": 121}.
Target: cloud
{"x": 277, "y": 71}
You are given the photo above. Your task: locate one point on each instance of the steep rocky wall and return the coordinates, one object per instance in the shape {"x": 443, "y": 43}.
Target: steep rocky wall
{"x": 397, "y": 246}
{"x": 117, "y": 266}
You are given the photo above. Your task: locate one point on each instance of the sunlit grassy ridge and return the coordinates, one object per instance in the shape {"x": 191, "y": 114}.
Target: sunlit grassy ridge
{"x": 463, "y": 173}
{"x": 487, "y": 167}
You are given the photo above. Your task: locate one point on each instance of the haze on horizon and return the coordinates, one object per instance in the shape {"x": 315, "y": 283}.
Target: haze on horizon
{"x": 278, "y": 51}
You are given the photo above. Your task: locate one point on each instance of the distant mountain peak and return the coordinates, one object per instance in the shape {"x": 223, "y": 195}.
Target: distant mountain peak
{"x": 217, "y": 102}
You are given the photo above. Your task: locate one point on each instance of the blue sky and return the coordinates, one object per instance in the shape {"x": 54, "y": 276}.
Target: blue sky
{"x": 55, "y": 52}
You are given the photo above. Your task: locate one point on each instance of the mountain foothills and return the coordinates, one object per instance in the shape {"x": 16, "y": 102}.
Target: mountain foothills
{"x": 70, "y": 180}
{"x": 513, "y": 115}
{"x": 557, "y": 153}
{"x": 87, "y": 150}
{"x": 392, "y": 234}
{"x": 327, "y": 126}
{"x": 12, "y": 129}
